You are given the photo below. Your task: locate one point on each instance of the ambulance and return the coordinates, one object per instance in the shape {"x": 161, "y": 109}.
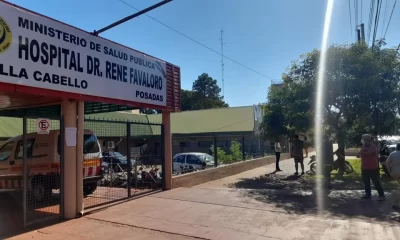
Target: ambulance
{"x": 43, "y": 167}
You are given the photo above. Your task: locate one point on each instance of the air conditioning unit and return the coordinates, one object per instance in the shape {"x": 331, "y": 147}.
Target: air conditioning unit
{"x": 110, "y": 144}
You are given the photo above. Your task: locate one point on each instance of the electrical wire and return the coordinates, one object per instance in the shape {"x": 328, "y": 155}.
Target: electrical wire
{"x": 390, "y": 19}
{"x": 384, "y": 16}
{"x": 356, "y": 13}
{"x": 199, "y": 43}
{"x": 351, "y": 24}
{"x": 371, "y": 17}
{"x": 378, "y": 12}
{"x": 361, "y": 10}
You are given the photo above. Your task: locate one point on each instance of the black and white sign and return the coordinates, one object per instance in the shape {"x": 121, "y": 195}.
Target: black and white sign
{"x": 39, "y": 52}
{"x": 43, "y": 126}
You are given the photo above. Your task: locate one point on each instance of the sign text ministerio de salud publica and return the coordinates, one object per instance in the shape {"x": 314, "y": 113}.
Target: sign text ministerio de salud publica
{"x": 38, "y": 52}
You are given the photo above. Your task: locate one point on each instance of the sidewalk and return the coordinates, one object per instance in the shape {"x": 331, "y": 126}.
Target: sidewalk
{"x": 250, "y": 205}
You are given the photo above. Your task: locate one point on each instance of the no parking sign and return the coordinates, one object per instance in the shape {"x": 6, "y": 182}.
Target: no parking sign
{"x": 43, "y": 126}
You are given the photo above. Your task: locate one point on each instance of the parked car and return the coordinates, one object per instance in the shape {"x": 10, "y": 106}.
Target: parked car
{"x": 193, "y": 161}
{"x": 116, "y": 161}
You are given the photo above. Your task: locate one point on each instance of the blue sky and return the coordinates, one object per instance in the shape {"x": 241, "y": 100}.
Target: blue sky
{"x": 265, "y": 35}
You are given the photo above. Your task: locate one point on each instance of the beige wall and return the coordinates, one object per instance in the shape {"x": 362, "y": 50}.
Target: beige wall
{"x": 196, "y": 178}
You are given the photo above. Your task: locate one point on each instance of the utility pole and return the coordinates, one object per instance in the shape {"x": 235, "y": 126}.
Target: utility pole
{"x": 360, "y": 32}
{"x": 222, "y": 62}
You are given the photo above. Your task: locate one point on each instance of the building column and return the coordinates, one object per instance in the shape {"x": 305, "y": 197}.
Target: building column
{"x": 79, "y": 157}
{"x": 68, "y": 111}
{"x": 166, "y": 120}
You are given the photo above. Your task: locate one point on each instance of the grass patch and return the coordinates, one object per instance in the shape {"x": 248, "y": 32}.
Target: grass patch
{"x": 355, "y": 177}
{"x": 352, "y": 149}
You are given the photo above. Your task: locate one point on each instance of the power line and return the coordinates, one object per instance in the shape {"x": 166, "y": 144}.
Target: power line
{"x": 194, "y": 40}
{"x": 222, "y": 62}
{"x": 362, "y": 12}
{"x": 378, "y": 12}
{"x": 356, "y": 13}
{"x": 371, "y": 17}
{"x": 384, "y": 16}
{"x": 351, "y": 24}
{"x": 391, "y": 14}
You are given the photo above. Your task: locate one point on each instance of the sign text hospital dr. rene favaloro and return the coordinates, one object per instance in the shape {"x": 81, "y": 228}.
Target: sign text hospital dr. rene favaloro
{"x": 39, "y": 52}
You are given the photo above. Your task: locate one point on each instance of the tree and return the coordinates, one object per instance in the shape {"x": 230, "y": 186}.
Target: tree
{"x": 360, "y": 95}
{"x": 187, "y": 100}
{"x": 205, "y": 94}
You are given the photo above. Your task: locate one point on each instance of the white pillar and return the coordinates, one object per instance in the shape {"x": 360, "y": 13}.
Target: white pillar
{"x": 79, "y": 157}
{"x": 68, "y": 108}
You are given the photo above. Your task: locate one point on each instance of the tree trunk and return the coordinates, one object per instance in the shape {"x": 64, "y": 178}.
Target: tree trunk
{"x": 341, "y": 139}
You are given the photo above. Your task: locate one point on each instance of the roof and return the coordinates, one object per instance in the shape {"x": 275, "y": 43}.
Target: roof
{"x": 220, "y": 120}
{"x": 217, "y": 120}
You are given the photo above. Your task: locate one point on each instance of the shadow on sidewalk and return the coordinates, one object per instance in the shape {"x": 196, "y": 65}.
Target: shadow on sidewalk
{"x": 298, "y": 195}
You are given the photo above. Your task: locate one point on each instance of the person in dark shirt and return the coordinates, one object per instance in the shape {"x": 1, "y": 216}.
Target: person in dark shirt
{"x": 297, "y": 154}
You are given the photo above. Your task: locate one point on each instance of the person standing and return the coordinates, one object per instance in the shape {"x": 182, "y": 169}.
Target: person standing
{"x": 277, "y": 147}
{"x": 306, "y": 145}
{"x": 370, "y": 167}
{"x": 297, "y": 154}
{"x": 327, "y": 160}
{"x": 393, "y": 164}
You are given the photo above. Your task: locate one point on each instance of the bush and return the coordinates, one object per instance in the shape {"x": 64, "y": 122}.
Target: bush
{"x": 234, "y": 156}
{"x": 236, "y": 151}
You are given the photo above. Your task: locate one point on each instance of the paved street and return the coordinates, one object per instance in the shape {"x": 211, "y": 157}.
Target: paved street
{"x": 251, "y": 205}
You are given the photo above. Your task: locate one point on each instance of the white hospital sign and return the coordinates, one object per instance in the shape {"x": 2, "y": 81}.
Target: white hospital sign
{"x": 38, "y": 52}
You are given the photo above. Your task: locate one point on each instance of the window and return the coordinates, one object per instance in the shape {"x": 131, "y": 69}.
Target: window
{"x": 116, "y": 155}
{"x": 19, "y": 152}
{"x": 5, "y": 151}
{"x": 209, "y": 158}
{"x": 180, "y": 159}
{"x": 200, "y": 157}
{"x": 90, "y": 144}
{"x": 192, "y": 159}
{"x": 182, "y": 144}
{"x": 204, "y": 144}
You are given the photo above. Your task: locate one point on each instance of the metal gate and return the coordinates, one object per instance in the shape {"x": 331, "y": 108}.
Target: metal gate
{"x": 39, "y": 154}
{"x": 132, "y": 160}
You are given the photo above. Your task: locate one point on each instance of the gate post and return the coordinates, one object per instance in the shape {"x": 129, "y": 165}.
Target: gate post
{"x": 166, "y": 120}
{"x": 79, "y": 157}
{"x": 162, "y": 157}
{"x": 68, "y": 111}
{"x": 25, "y": 172}
{"x": 128, "y": 158}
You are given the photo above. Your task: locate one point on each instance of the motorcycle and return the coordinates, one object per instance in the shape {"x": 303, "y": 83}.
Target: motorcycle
{"x": 335, "y": 166}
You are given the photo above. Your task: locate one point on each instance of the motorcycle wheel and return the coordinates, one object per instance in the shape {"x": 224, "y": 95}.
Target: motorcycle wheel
{"x": 348, "y": 168}
{"x": 313, "y": 168}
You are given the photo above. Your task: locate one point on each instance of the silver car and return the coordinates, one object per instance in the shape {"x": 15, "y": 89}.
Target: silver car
{"x": 192, "y": 161}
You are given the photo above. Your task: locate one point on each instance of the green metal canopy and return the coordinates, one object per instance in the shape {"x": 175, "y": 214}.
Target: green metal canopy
{"x": 54, "y": 111}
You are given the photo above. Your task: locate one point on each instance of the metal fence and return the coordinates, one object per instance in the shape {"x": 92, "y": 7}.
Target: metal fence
{"x": 131, "y": 161}
{"x": 201, "y": 152}
{"x": 39, "y": 157}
